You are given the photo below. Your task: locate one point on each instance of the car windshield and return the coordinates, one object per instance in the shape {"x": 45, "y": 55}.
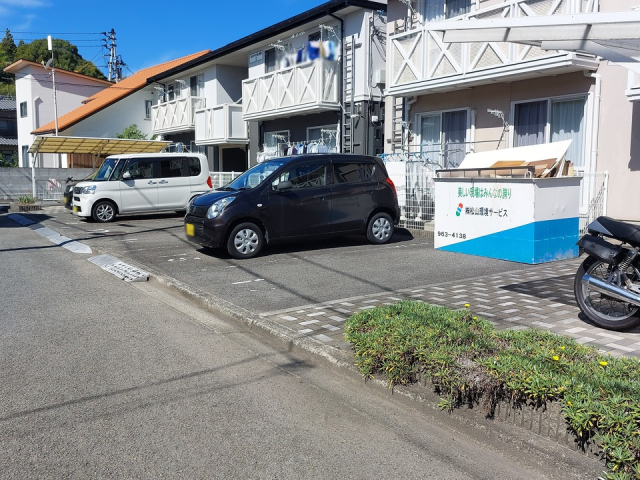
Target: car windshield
{"x": 106, "y": 170}
{"x": 254, "y": 176}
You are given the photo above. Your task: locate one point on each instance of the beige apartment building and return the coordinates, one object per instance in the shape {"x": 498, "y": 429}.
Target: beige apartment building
{"x": 444, "y": 100}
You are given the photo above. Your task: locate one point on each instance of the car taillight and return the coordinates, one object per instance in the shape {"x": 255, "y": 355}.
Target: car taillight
{"x": 390, "y": 182}
{"x": 209, "y": 182}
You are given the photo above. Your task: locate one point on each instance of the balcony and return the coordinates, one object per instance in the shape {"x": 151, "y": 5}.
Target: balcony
{"x": 420, "y": 62}
{"x": 176, "y": 115}
{"x": 221, "y": 125}
{"x": 306, "y": 88}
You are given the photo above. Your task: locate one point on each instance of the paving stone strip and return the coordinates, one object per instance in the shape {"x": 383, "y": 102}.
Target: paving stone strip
{"x": 539, "y": 297}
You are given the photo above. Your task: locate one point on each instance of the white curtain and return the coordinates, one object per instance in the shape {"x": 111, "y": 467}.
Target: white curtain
{"x": 530, "y": 122}
{"x": 433, "y": 10}
{"x": 567, "y": 123}
{"x": 455, "y": 133}
{"x": 430, "y": 128}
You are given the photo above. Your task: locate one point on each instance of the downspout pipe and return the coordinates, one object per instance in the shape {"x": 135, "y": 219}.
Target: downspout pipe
{"x": 408, "y": 102}
{"x": 340, "y": 78}
{"x": 595, "y": 128}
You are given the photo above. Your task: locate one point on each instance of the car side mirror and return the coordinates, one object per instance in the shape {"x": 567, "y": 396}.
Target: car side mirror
{"x": 126, "y": 176}
{"x": 284, "y": 185}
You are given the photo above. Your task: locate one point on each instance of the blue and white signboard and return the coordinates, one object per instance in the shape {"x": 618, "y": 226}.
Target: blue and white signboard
{"x": 532, "y": 220}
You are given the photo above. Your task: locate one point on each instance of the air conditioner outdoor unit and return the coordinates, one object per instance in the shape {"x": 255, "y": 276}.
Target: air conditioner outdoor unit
{"x": 379, "y": 77}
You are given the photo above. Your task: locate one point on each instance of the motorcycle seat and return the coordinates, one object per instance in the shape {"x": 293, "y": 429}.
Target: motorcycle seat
{"x": 621, "y": 230}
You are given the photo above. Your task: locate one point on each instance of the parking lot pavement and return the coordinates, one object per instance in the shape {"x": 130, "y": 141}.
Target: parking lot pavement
{"x": 310, "y": 291}
{"x": 539, "y": 297}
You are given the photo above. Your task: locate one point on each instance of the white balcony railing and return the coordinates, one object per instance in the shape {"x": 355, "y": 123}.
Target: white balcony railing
{"x": 421, "y": 61}
{"x": 219, "y": 125}
{"x": 305, "y": 88}
{"x": 176, "y": 115}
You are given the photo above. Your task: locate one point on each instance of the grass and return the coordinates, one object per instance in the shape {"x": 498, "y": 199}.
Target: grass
{"x": 469, "y": 362}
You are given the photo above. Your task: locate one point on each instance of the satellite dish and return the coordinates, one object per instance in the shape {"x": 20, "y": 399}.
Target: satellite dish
{"x": 49, "y": 62}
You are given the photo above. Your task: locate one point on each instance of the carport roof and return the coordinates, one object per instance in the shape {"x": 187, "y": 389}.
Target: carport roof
{"x": 94, "y": 146}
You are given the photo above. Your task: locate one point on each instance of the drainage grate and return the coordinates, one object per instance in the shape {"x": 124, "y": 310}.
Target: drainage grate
{"x": 120, "y": 269}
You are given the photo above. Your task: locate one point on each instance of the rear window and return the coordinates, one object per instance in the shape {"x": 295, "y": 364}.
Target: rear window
{"x": 194, "y": 166}
{"x": 353, "y": 172}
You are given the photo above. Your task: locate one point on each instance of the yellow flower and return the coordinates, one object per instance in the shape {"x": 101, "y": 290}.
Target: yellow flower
{"x": 603, "y": 363}
{"x": 467, "y": 305}
{"x": 569, "y": 403}
{"x": 475, "y": 318}
{"x": 562, "y": 348}
{"x": 556, "y": 358}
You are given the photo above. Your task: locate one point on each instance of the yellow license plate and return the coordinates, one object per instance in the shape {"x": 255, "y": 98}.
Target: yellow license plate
{"x": 75, "y": 209}
{"x": 190, "y": 229}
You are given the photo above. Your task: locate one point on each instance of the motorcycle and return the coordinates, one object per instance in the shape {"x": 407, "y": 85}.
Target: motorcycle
{"x": 607, "y": 284}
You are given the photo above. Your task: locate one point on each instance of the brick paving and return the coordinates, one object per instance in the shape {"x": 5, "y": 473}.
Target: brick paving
{"x": 539, "y": 297}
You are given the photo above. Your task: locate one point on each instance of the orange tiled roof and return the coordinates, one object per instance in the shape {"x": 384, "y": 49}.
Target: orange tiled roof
{"x": 112, "y": 94}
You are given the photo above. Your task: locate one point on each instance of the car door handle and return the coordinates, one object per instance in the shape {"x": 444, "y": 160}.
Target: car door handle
{"x": 151, "y": 182}
{"x": 162, "y": 182}
{"x": 320, "y": 196}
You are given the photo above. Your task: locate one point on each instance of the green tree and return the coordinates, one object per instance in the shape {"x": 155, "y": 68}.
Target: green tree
{"x": 132, "y": 131}
{"x": 65, "y": 54}
{"x": 8, "y": 51}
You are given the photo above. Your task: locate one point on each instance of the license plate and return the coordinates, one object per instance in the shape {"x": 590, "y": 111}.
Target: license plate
{"x": 190, "y": 229}
{"x": 75, "y": 209}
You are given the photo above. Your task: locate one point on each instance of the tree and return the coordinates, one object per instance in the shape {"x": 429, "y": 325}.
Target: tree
{"x": 8, "y": 51}
{"x": 66, "y": 56}
{"x": 132, "y": 131}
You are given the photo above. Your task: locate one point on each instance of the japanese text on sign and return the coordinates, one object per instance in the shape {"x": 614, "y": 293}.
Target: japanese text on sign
{"x": 486, "y": 212}
{"x": 483, "y": 192}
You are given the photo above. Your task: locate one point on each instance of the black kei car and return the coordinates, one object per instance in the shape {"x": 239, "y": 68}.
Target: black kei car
{"x": 296, "y": 198}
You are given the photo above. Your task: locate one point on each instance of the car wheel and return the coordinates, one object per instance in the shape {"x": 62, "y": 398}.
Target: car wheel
{"x": 103, "y": 212}
{"x": 380, "y": 228}
{"x": 245, "y": 241}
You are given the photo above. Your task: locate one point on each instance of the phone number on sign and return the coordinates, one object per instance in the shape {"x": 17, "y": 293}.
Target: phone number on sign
{"x": 452, "y": 235}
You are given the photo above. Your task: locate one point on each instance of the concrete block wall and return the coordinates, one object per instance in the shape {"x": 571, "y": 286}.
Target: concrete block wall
{"x": 50, "y": 182}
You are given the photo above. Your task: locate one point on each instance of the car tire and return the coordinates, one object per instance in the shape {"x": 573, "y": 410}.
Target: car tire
{"x": 380, "y": 228}
{"x": 246, "y": 241}
{"x": 104, "y": 211}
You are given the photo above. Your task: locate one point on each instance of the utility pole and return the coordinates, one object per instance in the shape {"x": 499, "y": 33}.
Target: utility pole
{"x": 115, "y": 62}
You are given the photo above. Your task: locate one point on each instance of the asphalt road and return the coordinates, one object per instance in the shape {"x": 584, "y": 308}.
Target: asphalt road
{"x": 107, "y": 379}
{"x": 282, "y": 276}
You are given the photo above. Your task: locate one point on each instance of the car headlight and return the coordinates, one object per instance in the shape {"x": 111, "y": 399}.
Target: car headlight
{"x": 218, "y": 207}
{"x": 90, "y": 190}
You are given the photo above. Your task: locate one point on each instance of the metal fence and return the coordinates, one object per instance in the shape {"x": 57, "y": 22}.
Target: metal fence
{"x": 593, "y": 197}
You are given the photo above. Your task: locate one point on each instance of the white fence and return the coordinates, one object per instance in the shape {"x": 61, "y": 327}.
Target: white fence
{"x": 220, "y": 179}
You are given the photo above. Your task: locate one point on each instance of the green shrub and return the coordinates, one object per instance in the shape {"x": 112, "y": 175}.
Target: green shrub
{"x": 27, "y": 199}
{"x": 469, "y": 362}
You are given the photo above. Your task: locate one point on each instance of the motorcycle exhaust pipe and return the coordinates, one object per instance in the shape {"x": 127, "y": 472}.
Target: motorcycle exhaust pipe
{"x": 614, "y": 291}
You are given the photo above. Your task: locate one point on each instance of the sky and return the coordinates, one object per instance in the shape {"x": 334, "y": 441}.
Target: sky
{"x": 147, "y": 33}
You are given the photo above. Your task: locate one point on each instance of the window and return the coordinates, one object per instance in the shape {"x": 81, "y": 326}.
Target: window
{"x": 196, "y": 85}
{"x": 140, "y": 168}
{"x": 274, "y": 142}
{"x": 8, "y": 128}
{"x": 193, "y": 148}
{"x": 436, "y": 10}
{"x": 327, "y": 135}
{"x": 147, "y": 108}
{"x": 194, "y": 166}
{"x": 270, "y": 60}
{"x": 23, "y": 109}
{"x": 443, "y": 137}
{"x": 551, "y": 120}
{"x": 353, "y": 172}
{"x": 171, "y": 167}
{"x": 25, "y": 155}
{"x": 304, "y": 176}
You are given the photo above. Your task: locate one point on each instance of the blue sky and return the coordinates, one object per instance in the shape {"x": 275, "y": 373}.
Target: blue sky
{"x": 147, "y": 33}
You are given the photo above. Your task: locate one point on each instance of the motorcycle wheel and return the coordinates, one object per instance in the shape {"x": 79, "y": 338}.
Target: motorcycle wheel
{"x": 601, "y": 309}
